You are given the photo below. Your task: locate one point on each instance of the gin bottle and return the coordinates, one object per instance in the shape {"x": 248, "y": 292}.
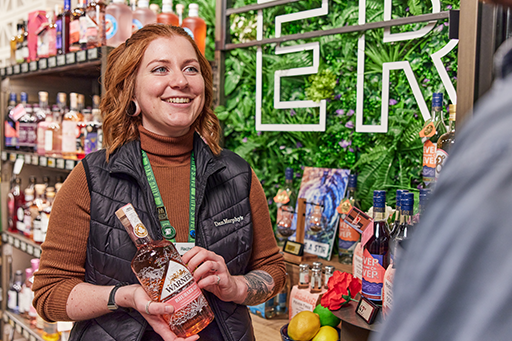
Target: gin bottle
{"x": 165, "y": 278}
{"x": 376, "y": 251}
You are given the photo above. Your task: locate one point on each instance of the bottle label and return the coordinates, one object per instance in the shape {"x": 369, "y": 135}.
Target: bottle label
{"x": 344, "y": 207}
{"x": 304, "y": 278}
{"x": 429, "y": 162}
{"x": 282, "y": 197}
{"x": 428, "y": 130}
{"x": 12, "y": 299}
{"x": 373, "y": 275}
{"x": 91, "y": 142}
{"x": 357, "y": 261}
{"x": 348, "y": 237}
{"x": 139, "y": 229}
{"x": 10, "y": 134}
{"x": 58, "y": 36}
{"x": 27, "y": 134}
{"x": 68, "y": 136}
{"x": 52, "y": 42}
{"x": 184, "y": 298}
{"x": 74, "y": 32}
{"x": 83, "y": 30}
{"x": 387, "y": 291}
{"x": 110, "y": 26}
{"x": 441, "y": 157}
{"x": 177, "y": 277}
{"x": 189, "y": 31}
{"x": 48, "y": 140}
{"x": 136, "y": 25}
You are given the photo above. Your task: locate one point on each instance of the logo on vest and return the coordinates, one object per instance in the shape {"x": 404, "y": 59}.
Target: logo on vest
{"x": 228, "y": 221}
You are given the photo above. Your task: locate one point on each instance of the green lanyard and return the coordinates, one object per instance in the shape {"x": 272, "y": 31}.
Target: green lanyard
{"x": 168, "y": 231}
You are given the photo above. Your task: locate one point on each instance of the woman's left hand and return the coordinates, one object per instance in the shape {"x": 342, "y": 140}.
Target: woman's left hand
{"x": 211, "y": 273}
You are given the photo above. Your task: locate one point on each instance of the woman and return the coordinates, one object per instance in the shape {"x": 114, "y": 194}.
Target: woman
{"x": 158, "y": 97}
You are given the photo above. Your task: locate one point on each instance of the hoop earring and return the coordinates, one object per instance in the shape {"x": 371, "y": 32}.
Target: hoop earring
{"x": 133, "y": 109}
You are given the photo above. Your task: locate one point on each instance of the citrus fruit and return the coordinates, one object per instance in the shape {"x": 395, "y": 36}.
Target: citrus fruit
{"x": 326, "y": 333}
{"x": 327, "y": 318}
{"x": 304, "y": 326}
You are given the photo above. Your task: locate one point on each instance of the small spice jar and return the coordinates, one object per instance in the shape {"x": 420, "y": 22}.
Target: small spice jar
{"x": 329, "y": 270}
{"x": 303, "y": 276}
{"x": 316, "y": 281}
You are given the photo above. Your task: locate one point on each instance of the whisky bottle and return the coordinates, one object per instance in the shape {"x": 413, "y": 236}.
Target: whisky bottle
{"x": 430, "y": 134}
{"x": 165, "y": 278}
{"x": 376, "y": 251}
{"x": 195, "y": 27}
{"x": 62, "y": 27}
{"x": 446, "y": 141}
{"x": 348, "y": 237}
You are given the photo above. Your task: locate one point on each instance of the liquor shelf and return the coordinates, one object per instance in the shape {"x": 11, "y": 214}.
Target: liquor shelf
{"x": 38, "y": 160}
{"x": 79, "y": 63}
{"x": 22, "y": 326}
{"x": 22, "y": 243}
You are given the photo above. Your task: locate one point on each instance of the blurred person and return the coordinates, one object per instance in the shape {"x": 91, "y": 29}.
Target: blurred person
{"x": 453, "y": 282}
{"x": 158, "y": 100}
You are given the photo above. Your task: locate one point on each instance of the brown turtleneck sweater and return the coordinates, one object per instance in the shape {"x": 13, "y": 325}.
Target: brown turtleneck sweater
{"x": 64, "y": 251}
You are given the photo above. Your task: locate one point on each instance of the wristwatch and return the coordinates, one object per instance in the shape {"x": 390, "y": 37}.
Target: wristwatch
{"x": 111, "y": 305}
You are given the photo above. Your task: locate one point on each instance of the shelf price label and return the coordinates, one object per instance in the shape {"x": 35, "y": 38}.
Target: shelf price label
{"x": 52, "y": 62}
{"x": 10, "y": 240}
{"x": 8, "y": 70}
{"x": 2, "y": 72}
{"x": 30, "y": 249}
{"x": 37, "y": 252}
{"x": 23, "y": 246}
{"x": 43, "y": 161}
{"x": 32, "y": 338}
{"x": 28, "y": 159}
{"x": 5, "y": 317}
{"x": 92, "y": 53}
{"x": 61, "y": 60}
{"x": 26, "y": 335}
{"x": 51, "y": 162}
{"x": 18, "y": 328}
{"x": 70, "y": 58}
{"x": 4, "y": 237}
{"x": 70, "y": 164}
{"x": 81, "y": 56}
{"x": 4, "y": 156}
{"x": 33, "y": 66}
{"x": 24, "y": 67}
{"x": 43, "y": 64}
{"x": 17, "y": 243}
{"x": 35, "y": 160}
{"x": 16, "y": 69}
{"x": 12, "y": 157}
{"x": 60, "y": 163}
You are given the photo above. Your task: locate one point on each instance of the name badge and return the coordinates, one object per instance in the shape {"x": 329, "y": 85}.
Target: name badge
{"x": 184, "y": 247}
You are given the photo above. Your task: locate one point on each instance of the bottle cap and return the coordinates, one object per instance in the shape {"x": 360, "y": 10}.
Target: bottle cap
{"x": 352, "y": 180}
{"x": 13, "y": 97}
{"x": 50, "y": 195}
{"x": 437, "y": 99}
{"x": 40, "y": 188}
{"x": 24, "y": 97}
{"x": 95, "y": 102}
{"x": 73, "y": 100}
{"x": 17, "y": 181}
{"x": 424, "y": 196}
{"x": 29, "y": 191}
{"x": 155, "y": 8}
{"x": 32, "y": 179}
{"x": 407, "y": 202}
{"x": 34, "y": 263}
{"x": 193, "y": 10}
{"x": 143, "y": 4}
{"x": 288, "y": 173}
{"x": 61, "y": 98}
{"x": 399, "y": 193}
{"x": 43, "y": 96}
{"x": 379, "y": 199}
{"x": 58, "y": 186}
{"x": 28, "y": 273}
{"x": 180, "y": 8}
{"x": 67, "y": 5}
{"x": 452, "y": 109}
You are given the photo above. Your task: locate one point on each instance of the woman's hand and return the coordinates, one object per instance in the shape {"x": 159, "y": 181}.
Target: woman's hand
{"x": 211, "y": 273}
{"x": 140, "y": 302}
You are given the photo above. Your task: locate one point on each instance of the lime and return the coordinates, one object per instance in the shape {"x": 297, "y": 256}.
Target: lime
{"x": 304, "y": 326}
{"x": 327, "y": 318}
{"x": 326, "y": 333}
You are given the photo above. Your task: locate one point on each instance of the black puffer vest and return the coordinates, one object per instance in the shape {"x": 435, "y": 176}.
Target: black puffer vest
{"x": 222, "y": 190}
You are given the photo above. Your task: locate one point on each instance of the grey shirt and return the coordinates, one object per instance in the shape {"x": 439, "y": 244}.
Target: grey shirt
{"x": 455, "y": 279}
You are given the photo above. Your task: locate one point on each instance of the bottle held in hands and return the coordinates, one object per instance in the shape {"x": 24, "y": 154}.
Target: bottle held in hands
{"x": 165, "y": 278}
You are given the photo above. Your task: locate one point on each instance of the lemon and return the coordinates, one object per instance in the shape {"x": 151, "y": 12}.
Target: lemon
{"x": 304, "y": 326}
{"x": 326, "y": 333}
{"x": 327, "y": 318}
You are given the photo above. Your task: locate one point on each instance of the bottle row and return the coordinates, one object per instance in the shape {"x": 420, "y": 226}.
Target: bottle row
{"x": 19, "y": 302}
{"x": 28, "y": 211}
{"x": 69, "y": 133}
{"x": 93, "y": 24}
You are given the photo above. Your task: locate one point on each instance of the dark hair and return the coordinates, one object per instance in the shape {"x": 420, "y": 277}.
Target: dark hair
{"x": 120, "y": 74}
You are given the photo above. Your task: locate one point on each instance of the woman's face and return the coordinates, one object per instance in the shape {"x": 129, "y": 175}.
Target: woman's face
{"x": 169, "y": 86}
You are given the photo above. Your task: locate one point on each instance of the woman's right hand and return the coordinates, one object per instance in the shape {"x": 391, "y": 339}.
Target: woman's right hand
{"x": 140, "y": 301}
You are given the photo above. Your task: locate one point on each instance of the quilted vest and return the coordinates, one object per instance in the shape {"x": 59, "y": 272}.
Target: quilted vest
{"x": 222, "y": 192}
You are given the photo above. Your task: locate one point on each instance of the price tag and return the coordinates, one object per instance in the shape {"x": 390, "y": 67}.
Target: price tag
{"x": 35, "y": 160}
{"x": 2, "y": 72}
{"x": 8, "y": 70}
{"x": 23, "y": 246}
{"x": 60, "y": 163}
{"x": 51, "y": 162}
{"x": 70, "y": 58}
{"x": 33, "y": 66}
{"x": 81, "y": 56}
{"x": 24, "y": 67}
{"x": 70, "y": 164}
{"x": 92, "y": 53}
{"x": 11, "y": 322}
{"x": 30, "y": 249}
{"x": 16, "y": 69}
{"x": 18, "y": 165}
{"x": 18, "y": 328}
{"x": 52, "y": 62}
{"x": 61, "y": 60}
{"x": 43, "y": 63}
{"x": 4, "y": 156}
{"x": 37, "y": 252}
{"x": 4, "y": 237}
{"x": 43, "y": 161}
{"x": 12, "y": 157}
{"x": 26, "y": 335}
{"x": 367, "y": 310}
{"x": 32, "y": 338}
{"x": 10, "y": 240}
{"x": 5, "y": 317}
{"x": 28, "y": 159}
{"x": 17, "y": 243}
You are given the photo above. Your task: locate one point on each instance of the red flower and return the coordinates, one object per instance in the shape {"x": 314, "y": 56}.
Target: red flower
{"x": 343, "y": 287}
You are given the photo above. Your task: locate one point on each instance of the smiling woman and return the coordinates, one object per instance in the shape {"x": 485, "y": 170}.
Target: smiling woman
{"x": 162, "y": 156}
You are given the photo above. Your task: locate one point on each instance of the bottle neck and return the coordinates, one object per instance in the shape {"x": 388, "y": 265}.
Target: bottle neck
{"x": 406, "y": 217}
{"x": 452, "y": 126}
{"x": 379, "y": 213}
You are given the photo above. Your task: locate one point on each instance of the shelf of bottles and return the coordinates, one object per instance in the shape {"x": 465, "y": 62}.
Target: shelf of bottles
{"x": 22, "y": 243}
{"x": 22, "y": 326}
{"x": 38, "y": 160}
{"x": 55, "y": 62}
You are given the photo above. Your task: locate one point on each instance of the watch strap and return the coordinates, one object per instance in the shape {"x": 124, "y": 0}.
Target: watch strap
{"x": 111, "y": 305}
